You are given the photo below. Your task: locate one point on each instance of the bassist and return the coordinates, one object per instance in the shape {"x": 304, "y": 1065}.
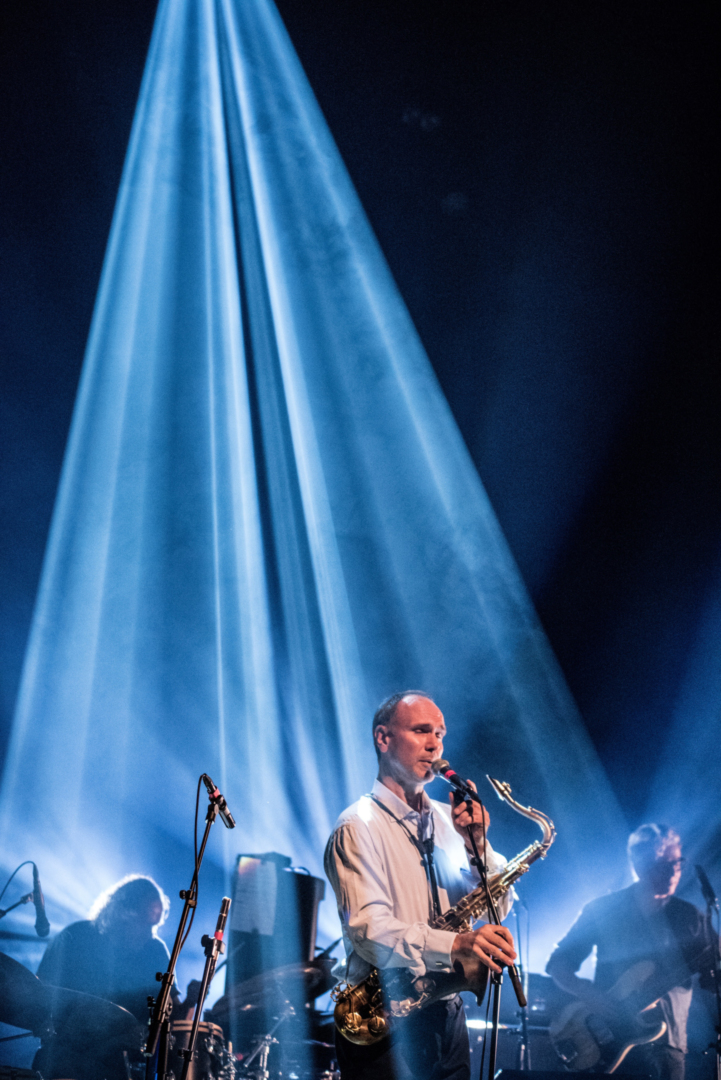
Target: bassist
{"x": 644, "y": 931}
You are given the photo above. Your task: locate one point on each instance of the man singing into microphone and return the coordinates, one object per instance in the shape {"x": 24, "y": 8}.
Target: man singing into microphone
{"x": 388, "y": 892}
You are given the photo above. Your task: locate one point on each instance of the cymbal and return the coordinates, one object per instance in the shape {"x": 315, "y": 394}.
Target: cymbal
{"x": 24, "y": 1001}
{"x": 292, "y": 982}
{"x": 28, "y": 1003}
{"x": 82, "y": 1019}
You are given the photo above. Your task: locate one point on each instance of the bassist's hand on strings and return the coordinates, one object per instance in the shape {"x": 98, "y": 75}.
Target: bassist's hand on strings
{"x": 562, "y": 973}
{"x": 491, "y": 945}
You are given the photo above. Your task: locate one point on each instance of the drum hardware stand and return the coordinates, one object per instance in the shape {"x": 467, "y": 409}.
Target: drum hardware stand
{"x": 262, "y": 1050}
{"x": 496, "y": 976}
{"x": 159, "y": 1022}
{"x": 213, "y": 946}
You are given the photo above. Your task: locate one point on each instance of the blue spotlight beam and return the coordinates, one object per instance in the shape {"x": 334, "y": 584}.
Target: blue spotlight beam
{"x": 688, "y": 778}
{"x": 267, "y": 518}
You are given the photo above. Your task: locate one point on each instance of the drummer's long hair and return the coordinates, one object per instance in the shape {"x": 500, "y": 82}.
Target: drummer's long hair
{"x": 123, "y": 901}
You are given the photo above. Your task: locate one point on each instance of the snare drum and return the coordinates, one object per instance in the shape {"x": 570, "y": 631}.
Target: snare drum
{"x": 211, "y": 1060}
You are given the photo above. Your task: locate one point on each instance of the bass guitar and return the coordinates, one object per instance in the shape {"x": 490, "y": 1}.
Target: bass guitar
{"x": 586, "y": 1037}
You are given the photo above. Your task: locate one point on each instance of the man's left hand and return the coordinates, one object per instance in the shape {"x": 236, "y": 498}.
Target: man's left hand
{"x": 469, "y": 813}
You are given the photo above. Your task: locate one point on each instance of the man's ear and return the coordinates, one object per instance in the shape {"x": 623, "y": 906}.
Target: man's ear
{"x": 382, "y": 736}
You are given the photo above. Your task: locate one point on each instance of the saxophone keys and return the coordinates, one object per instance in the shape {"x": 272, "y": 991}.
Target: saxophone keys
{"x": 378, "y": 1026}
{"x": 403, "y": 1008}
{"x": 352, "y": 1023}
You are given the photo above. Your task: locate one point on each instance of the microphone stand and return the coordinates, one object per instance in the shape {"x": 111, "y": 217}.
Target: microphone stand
{"x": 213, "y": 948}
{"x": 496, "y": 976}
{"x": 159, "y": 1024}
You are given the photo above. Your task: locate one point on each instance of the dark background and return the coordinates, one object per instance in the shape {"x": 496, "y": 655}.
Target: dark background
{"x": 539, "y": 178}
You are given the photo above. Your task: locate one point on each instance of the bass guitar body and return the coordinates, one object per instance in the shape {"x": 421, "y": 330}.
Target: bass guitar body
{"x": 600, "y": 1039}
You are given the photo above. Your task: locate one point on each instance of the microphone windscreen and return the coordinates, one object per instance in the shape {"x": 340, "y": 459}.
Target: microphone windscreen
{"x": 440, "y": 767}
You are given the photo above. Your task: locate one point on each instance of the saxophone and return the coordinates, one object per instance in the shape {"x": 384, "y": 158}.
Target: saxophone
{"x": 364, "y": 1013}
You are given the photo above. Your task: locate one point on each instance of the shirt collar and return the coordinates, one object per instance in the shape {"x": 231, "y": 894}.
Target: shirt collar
{"x": 397, "y": 806}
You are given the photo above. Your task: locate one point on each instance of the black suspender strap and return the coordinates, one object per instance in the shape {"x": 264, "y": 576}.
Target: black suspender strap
{"x": 427, "y": 846}
{"x": 425, "y": 849}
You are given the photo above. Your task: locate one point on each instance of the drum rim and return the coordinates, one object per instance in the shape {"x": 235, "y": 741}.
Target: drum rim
{"x": 187, "y": 1025}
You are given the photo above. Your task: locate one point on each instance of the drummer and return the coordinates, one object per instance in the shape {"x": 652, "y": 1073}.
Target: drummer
{"x": 116, "y": 951}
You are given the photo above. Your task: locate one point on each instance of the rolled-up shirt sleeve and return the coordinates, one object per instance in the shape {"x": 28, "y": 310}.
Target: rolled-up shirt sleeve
{"x": 366, "y": 905}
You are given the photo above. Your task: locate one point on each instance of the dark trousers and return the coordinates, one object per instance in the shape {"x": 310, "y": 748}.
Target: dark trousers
{"x": 659, "y": 1061}
{"x": 429, "y": 1045}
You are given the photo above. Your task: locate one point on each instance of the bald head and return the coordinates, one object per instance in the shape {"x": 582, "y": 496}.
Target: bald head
{"x": 386, "y": 710}
{"x": 409, "y": 741}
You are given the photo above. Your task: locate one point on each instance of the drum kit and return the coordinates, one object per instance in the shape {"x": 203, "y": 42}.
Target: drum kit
{"x": 83, "y": 1037}
{"x": 261, "y": 1029}
{"x": 273, "y": 1027}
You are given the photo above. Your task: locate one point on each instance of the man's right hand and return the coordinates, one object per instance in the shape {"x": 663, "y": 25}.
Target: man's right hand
{"x": 600, "y": 1003}
{"x": 489, "y": 944}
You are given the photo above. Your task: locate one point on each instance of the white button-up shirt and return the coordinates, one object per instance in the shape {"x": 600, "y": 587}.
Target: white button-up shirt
{"x": 382, "y": 888}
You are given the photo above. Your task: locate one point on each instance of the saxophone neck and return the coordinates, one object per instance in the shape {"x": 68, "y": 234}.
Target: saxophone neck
{"x": 503, "y": 791}
{"x": 502, "y": 880}
{"x": 475, "y": 903}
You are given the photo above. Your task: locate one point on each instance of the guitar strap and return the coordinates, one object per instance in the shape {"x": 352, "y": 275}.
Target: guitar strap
{"x": 425, "y": 849}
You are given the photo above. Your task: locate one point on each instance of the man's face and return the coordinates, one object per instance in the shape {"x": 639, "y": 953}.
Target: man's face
{"x": 412, "y": 740}
{"x": 663, "y": 873}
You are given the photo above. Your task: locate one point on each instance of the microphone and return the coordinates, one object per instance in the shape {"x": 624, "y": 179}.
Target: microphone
{"x": 222, "y": 918}
{"x": 42, "y": 926}
{"x": 442, "y": 768}
{"x": 225, "y": 815}
{"x": 706, "y": 887}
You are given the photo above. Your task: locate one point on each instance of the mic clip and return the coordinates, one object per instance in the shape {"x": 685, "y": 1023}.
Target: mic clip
{"x": 218, "y": 805}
